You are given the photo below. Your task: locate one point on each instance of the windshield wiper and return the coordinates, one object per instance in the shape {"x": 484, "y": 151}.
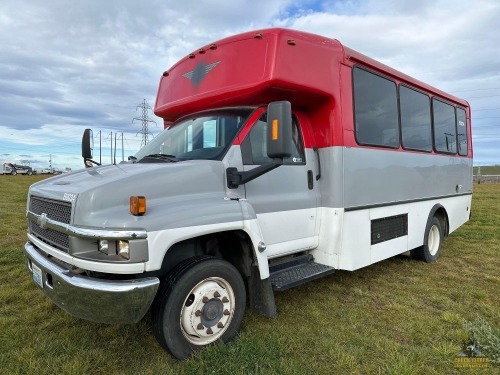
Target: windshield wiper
{"x": 166, "y": 157}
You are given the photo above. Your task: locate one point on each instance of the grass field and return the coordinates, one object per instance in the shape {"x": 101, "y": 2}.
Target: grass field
{"x": 395, "y": 317}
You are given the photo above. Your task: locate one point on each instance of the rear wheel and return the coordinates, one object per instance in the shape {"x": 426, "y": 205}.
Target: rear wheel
{"x": 202, "y": 301}
{"x": 30, "y": 173}
{"x": 13, "y": 173}
{"x": 433, "y": 239}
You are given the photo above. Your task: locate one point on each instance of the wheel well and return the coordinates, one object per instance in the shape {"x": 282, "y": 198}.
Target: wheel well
{"x": 232, "y": 246}
{"x": 441, "y": 214}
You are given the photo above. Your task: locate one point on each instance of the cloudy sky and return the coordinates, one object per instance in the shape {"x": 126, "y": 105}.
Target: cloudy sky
{"x": 70, "y": 65}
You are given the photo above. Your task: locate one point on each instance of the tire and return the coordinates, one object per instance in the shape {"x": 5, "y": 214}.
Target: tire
{"x": 200, "y": 302}
{"x": 29, "y": 173}
{"x": 433, "y": 239}
{"x": 13, "y": 173}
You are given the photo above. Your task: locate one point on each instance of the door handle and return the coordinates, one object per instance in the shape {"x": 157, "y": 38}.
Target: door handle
{"x": 310, "y": 179}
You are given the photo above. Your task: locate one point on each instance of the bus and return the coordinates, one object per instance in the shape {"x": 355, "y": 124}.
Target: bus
{"x": 286, "y": 156}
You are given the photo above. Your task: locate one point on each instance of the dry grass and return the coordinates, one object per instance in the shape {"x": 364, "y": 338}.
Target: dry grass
{"x": 395, "y": 317}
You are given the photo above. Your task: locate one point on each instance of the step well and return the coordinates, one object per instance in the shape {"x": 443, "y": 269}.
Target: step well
{"x": 297, "y": 271}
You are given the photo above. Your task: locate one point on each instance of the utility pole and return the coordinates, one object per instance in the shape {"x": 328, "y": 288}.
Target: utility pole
{"x": 145, "y": 120}
{"x": 114, "y": 155}
{"x": 111, "y": 148}
{"x": 100, "y": 148}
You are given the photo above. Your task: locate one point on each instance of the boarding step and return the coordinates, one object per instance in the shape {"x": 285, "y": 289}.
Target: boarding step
{"x": 297, "y": 271}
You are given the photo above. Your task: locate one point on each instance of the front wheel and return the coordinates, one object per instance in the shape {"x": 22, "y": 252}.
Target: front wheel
{"x": 433, "y": 240}
{"x": 13, "y": 173}
{"x": 202, "y": 301}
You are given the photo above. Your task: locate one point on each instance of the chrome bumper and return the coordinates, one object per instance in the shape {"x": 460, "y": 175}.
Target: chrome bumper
{"x": 104, "y": 301}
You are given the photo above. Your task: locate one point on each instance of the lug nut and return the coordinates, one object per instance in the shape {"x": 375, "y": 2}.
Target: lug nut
{"x": 225, "y": 300}
{"x": 200, "y": 326}
{"x": 220, "y": 325}
{"x": 216, "y": 295}
{"x": 209, "y": 331}
{"x": 205, "y": 299}
{"x": 226, "y": 312}
{"x": 197, "y": 313}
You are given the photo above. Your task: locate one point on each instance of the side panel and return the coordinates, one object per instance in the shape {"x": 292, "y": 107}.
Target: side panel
{"x": 359, "y": 185}
{"x": 375, "y": 176}
{"x": 345, "y": 237}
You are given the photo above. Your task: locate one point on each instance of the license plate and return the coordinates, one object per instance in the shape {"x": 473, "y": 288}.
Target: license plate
{"x": 37, "y": 275}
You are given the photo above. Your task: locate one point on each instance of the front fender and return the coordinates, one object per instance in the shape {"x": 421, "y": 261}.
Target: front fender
{"x": 202, "y": 216}
{"x": 252, "y": 228}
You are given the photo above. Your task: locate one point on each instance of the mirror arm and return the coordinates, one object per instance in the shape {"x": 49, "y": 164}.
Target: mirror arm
{"x": 90, "y": 160}
{"x": 236, "y": 178}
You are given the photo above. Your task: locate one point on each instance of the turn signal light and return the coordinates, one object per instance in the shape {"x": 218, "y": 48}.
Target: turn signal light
{"x": 137, "y": 205}
{"x": 275, "y": 130}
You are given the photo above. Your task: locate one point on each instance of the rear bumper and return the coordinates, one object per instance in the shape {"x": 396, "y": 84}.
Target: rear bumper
{"x": 104, "y": 301}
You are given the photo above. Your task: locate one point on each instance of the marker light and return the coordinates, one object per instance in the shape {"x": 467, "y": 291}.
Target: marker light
{"x": 275, "y": 130}
{"x": 137, "y": 205}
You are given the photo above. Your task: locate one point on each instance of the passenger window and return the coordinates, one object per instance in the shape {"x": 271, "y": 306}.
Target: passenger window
{"x": 462, "y": 132}
{"x": 415, "y": 119}
{"x": 209, "y": 134}
{"x": 445, "y": 137}
{"x": 375, "y": 110}
{"x": 254, "y": 147}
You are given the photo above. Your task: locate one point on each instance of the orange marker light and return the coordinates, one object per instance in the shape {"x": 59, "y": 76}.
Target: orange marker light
{"x": 275, "y": 130}
{"x": 137, "y": 205}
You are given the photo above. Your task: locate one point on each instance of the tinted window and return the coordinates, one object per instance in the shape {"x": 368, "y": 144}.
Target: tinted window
{"x": 254, "y": 147}
{"x": 462, "y": 132}
{"x": 415, "y": 119}
{"x": 375, "y": 110}
{"x": 445, "y": 138}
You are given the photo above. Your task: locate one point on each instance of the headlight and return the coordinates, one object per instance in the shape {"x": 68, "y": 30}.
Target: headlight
{"x": 123, "y": 249}
{"x": 103, "y": 246}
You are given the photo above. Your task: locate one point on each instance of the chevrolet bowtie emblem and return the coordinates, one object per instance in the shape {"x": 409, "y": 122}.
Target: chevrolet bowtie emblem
{"x": 42, "y": 221}
{"x": 201, "y": 70}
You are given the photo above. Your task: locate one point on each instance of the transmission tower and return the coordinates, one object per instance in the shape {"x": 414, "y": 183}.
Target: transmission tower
{"x": 145, "y": 120}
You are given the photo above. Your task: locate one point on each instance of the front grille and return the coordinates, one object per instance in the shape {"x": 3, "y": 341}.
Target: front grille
{"x": 57, "y": 210}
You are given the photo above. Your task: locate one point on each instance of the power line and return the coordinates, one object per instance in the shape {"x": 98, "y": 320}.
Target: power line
{"x": 478, "y": 97}
{"x": 145, "y": 120}
{"x": 486, "y": 88}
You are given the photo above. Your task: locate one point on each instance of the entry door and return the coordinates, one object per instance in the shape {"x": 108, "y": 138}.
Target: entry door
{"x": 285, "y": 199}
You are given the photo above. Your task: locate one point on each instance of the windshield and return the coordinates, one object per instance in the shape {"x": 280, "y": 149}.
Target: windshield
{"x": 203, "y": 136}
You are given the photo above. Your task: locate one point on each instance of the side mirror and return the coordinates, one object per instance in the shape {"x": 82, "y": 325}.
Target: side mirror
{"x": 279, "y": 130}
{"x": 87, "y": 144}
{"x": 279, "y": 143}
{"x": 87, "y": 147}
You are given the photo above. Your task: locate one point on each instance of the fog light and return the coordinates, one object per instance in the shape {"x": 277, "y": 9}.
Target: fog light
{"x": 123, "y": 249}
{"x": 103, "y": 246}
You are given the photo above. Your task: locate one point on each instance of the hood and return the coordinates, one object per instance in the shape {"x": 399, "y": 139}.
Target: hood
{"x": 101, "y": 195}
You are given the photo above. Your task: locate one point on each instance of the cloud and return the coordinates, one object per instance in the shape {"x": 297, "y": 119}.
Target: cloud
{"x": 69, "y": 66}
